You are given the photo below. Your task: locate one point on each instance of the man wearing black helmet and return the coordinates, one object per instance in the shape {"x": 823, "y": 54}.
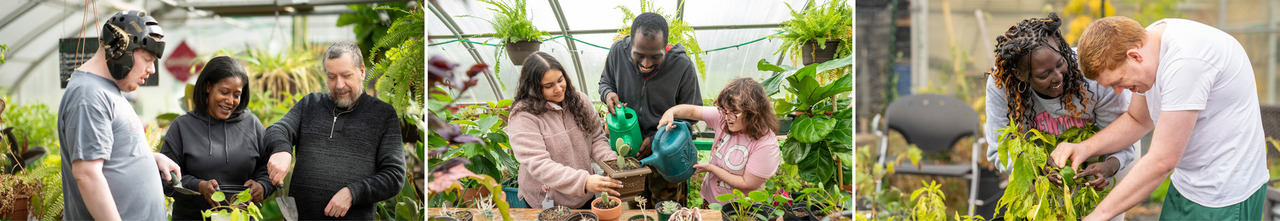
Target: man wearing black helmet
{"x": 112, "y": 173}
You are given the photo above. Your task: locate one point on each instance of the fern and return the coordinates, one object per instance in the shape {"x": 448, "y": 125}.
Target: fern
{"x": 818, "y": 23}
{"x": 401, "y": 80}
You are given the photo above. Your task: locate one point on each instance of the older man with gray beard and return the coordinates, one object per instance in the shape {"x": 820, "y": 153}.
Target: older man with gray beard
{"x": 348, "y": 145}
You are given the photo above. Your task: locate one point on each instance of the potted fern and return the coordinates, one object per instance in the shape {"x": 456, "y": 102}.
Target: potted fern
{"x": 817, "y": 34}
{"x": 512, "y": 25}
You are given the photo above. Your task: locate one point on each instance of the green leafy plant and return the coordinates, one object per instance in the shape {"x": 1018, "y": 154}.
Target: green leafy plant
{"x": 240, "y": 209}
{"x": 822, "y": 131}
{"x": 678, "y": 32}
{"x": 401, "y": 82}
{"x": 928, "y": 201}
{"x": 28, "y": 131}
{"x": 667, "y": 207}
{"x": 511, "y": 24}
{"x": 1030, "y": 195}
{"x": 828, "y": 199}
{"x": 370, "y": 26}
{"x": 749, "y": 206}
{"x": 886, "y": 203}
{"x": 818, "y": 23}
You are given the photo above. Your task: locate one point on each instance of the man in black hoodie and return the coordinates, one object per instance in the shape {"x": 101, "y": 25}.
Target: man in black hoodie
{"x": 649, "y": 76}
{"x": 348, "y": 145}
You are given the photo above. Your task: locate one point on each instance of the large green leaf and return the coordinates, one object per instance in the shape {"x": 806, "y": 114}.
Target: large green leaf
{"x": 794, "y": 151}
{"x": 811, "y": 129}
{"x": 843, "y": 132}
{"x": 490, "y": 123}
{"x": 804, "y": 85}
{"x": 818, "y": 166}
{"x": 837, "y": 63}
{"x": 841, "y": 85}
{"x": 766, "y": 66}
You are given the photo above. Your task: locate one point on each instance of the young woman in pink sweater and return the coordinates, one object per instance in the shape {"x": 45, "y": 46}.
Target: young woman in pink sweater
{"x": 555, "y": 134}
{"x": 745, "y": 152}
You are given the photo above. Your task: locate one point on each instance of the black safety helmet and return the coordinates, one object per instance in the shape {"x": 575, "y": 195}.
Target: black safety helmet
{"x": 126, "y": 31}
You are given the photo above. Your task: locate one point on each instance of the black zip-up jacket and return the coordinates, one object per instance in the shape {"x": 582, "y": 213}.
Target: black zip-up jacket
{"x": 229, "y": 151}
{"x": 359, "y": 148}
{"x": 674, "y": 82}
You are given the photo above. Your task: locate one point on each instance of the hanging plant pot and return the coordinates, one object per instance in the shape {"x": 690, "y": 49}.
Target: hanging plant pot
{"x": 813, "y": 54}
{"x": 520, "y": 50}
{"x": 21, "y": 208}
{"x": 633, "y": 179}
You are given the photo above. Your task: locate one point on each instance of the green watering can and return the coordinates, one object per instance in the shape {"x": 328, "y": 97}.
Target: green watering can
{"x": 625, "y": 125}
{"x": 673, "y": 153}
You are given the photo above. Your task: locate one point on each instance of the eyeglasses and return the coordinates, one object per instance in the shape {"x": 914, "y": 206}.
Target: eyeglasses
{"x": 730, "y": 117}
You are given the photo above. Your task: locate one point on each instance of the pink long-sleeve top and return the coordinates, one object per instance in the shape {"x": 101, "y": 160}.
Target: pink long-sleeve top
{"x": 554, "y": 151}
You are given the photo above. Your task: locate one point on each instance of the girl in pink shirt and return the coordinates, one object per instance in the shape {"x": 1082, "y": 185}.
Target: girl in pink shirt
{"x": 555, "y": 134}
{"x": 745, "y": 152}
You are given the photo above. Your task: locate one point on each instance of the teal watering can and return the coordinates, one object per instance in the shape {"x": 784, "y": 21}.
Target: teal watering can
{"x": 673, "y": 153}
{"x": 625, "y": 125}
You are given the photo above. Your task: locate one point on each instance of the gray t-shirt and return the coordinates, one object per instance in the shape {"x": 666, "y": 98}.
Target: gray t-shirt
{"x": 96, "y": 122}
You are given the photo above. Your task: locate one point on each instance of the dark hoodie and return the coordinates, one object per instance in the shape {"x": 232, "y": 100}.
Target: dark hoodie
{"x": 230, "y": 151}
{"x": 674, "y": 82}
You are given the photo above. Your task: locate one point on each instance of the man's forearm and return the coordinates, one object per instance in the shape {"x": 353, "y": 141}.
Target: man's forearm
{"x": 1135, "y": 188}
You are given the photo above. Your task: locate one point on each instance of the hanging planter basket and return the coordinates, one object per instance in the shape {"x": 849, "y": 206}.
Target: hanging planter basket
{"x": 520, "y": 50}
{"x": 813, "y": 54}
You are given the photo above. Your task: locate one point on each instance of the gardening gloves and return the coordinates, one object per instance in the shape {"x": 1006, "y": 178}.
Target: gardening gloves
{"x": 255, "y": 189}
{"x": 598, "y": 183}
{"x": 207, "y": 188}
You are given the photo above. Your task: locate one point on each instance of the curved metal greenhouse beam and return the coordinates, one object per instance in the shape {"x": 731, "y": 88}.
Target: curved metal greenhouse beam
{"x": 573, "y": 48}
{"x": 453, "y": 28}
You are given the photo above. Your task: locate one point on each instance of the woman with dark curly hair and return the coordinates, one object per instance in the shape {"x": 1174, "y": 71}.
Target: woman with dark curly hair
{"x": 1037, "y": 83}
{"x": 555, "y": 134}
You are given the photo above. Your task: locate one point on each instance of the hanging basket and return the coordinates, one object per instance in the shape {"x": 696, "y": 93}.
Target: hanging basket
{"x": 813, "y": 54}
{"x": 520, "y": 50}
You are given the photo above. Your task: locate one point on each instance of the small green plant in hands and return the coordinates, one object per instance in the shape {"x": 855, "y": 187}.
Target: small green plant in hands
{"x": 240, "y": 209}
{"x": 1030, "y": 194}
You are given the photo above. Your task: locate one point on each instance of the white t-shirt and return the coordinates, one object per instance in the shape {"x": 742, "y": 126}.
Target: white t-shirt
{"x": 1203, "y": 68}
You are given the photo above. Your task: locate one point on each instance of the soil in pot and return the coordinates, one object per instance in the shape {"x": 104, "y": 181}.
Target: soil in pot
{"x": 461, "y": 215}
{"x": 813, "y": 53}
{"x": 606, "y": 214}
{"x": 556, "y": 213}
{"x": 801, "y": 211}
{"x": 582, "y": 216}
{"x": 632, "y": 176}
{"x": 640, "y": 218}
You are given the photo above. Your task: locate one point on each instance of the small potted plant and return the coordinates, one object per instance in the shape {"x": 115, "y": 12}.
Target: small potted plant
{"x": 556, "y": 213}
{"x": 666, "y": 208}
{"x": 512, "y": 25}
{"x": 627, "y": 170}
{"x": 752, "y": 206}
{"x": 606, "y": 208}
{"x": 826, "y": 202}
{"x": 461, "y": 215}
{"x": 640, "y": 200}
{"x": 819, "y": 33}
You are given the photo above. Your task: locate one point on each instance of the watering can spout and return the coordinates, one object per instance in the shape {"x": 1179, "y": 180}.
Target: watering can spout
{"x": 673, "y": 153}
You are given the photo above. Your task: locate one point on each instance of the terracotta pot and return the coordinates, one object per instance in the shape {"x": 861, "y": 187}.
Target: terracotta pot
{"x": 606, "y": 214}
{"x": 22, "y": 206}
{"x": 471, "y": 195}
{"x": 633, "y": 181}
{"x": 520, "y": 50}
{"x": 813, "y": 54}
